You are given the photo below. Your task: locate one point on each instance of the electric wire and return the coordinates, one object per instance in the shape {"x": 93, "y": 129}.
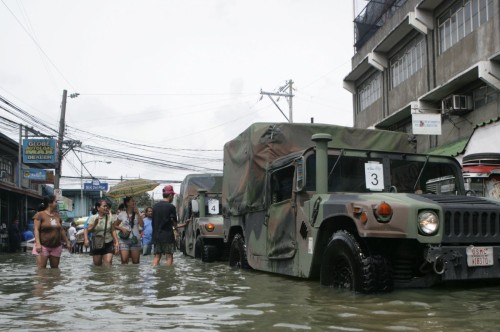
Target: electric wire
{"x": 37, "y": 45}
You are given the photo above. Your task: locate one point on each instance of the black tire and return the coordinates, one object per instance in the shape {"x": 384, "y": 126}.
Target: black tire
{"x": 209, "y": 253}
{"x": 238, "y": 253}
{"x": 198, "y": 248}
{"x": 182, "y": 244}
{"x": 345, "y": 266}
{"x": 383, "y": 274}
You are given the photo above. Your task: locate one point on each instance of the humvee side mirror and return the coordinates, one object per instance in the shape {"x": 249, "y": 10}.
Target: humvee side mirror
{"x": 194, "y": 206}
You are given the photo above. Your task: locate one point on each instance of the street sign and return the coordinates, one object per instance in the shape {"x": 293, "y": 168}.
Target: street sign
{"x": 95, "y": 185}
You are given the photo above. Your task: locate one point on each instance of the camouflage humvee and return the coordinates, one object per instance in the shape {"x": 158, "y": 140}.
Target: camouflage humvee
{"x": 199, "y": 207}
{"x": 354, "y": 208}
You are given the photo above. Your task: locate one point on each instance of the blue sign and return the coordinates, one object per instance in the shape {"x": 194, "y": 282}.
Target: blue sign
{"x": 39, "y": 151}
{"x": 35, "y": 174}
{"x": 95, "y": 185}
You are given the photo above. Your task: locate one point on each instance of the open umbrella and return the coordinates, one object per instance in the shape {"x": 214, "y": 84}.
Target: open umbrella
{"x": 132, "y": 188}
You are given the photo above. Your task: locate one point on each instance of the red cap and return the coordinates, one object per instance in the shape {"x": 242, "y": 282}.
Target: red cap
{"x": 168, "y": 189}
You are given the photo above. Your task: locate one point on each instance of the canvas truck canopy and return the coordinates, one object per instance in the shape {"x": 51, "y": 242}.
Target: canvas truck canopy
{"x": 211, "y": 182}
{"x": 247, "y": 156}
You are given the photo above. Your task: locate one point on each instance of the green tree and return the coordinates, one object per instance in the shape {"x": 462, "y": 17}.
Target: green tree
{"x": 143, "y": 201}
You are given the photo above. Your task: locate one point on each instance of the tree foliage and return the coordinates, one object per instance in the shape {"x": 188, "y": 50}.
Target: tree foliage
{"x": 142, "y": 201}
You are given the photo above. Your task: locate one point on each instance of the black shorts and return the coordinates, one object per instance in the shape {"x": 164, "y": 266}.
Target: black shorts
{"x": 164, "y": 248}
{"x": 107, "y": 249}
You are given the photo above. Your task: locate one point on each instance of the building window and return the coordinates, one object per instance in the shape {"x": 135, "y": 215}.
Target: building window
{"x": 6, "y": 170}
{"x": 370, "y": 91}
{"x": 462, "y": 18}
{"x": 407, "y": 61}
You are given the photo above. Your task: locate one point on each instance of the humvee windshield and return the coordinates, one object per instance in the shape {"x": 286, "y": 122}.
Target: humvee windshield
{"x": 357, "y": 171}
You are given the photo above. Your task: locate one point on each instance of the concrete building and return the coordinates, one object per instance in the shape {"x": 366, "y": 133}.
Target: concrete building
{"x": 19, "y": 197}
{"x": 431, "y": 68}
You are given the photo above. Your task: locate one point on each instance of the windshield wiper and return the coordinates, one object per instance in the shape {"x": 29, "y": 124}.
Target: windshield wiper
{"x": 336, "y": 163}
{"x": 420, "y": 174}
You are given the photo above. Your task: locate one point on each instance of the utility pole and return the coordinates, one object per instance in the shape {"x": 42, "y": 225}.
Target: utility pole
{"x": 288, "y": 85}
{"x": 60, "y": 137}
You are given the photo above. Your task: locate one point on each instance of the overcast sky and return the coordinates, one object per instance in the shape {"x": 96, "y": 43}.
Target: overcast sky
{"x": 183, "y": 75}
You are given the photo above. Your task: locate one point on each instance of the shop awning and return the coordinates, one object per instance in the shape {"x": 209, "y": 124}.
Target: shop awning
{"x": 452, "y": 149}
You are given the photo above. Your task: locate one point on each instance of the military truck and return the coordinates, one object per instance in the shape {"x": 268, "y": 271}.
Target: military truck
{"x": 199, "y": 210}
{"x": 355, "y": 208}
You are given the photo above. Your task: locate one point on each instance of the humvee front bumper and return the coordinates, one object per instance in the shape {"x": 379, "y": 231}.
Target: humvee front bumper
{"x": 465, "y": 262}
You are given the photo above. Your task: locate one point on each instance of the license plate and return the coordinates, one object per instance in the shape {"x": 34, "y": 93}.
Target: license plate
{"x": 479, "y": 256}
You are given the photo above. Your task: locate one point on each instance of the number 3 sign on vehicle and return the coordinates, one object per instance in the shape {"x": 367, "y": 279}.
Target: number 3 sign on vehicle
{"x": 374, "y": 176}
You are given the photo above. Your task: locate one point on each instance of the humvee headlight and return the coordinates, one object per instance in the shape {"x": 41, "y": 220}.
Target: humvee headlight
{"x": 210, "y": 227}
{"x": 428, "y": 222}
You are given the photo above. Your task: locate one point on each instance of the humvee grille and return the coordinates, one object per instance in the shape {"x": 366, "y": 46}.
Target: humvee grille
{"x": 466, "y": 226}
{"x": 469, "y": 220}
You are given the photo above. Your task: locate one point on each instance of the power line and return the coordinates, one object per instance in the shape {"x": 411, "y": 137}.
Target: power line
{"x": 36, "y": 43}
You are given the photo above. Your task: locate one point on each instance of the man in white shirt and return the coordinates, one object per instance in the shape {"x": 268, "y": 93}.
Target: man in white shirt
{"x": 72, "y": 236}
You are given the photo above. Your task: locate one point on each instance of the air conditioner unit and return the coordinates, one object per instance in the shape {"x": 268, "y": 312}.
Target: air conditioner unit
{"x": 456, "y": 105}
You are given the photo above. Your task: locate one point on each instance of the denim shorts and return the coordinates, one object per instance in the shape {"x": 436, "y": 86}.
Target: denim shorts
{"x": 130, "y": 244}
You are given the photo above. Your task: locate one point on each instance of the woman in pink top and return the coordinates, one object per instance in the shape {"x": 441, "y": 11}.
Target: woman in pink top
{"x": 49, "y": 234}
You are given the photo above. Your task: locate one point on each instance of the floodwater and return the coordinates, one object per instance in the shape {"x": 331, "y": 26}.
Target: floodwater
{"x": 196, "y": 296}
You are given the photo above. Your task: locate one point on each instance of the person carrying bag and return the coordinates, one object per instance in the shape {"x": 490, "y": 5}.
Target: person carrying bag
{"x": 105, "y": 240}
{"x": 129, "y": 225}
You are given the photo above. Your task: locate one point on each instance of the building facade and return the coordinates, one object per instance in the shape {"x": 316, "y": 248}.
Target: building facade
{"x": 19, "y": 197}
{"x": 429, "y": 58}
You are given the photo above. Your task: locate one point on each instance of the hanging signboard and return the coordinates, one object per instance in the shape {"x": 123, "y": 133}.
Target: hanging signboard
{"x": 426, "y": 124}
{"x": 35, "y": 174}
{"x": 39, "y": 151}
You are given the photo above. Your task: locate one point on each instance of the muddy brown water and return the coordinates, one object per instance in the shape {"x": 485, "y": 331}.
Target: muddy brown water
{"x": 196, "y": 296}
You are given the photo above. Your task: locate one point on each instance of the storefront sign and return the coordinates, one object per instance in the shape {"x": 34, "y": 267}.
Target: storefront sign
{"x": 39, "y": 151}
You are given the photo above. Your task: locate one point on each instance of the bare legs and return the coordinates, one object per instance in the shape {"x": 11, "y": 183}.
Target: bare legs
{"x": 41, "y": 261}
{"x": 169, "y": 259}
{"x": 135, "y": 255}
{"x": 104, "y": 260}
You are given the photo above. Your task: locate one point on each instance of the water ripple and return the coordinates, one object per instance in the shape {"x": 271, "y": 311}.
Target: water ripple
{"x": 195, "y": 296}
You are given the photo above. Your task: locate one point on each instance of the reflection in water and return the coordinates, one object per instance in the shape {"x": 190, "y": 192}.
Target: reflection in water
{"x": 194, "y": 296}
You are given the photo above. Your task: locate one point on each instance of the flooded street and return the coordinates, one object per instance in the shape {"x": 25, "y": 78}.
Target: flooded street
{"x": 195, "y": 296}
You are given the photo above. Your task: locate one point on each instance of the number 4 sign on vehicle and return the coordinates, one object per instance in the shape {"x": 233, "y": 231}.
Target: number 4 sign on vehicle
{"x": 213, "y": 206}
{"x": 374, "y": 176}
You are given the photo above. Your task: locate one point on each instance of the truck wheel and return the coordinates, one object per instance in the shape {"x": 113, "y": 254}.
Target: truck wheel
{"x": 238, "y": 253}
{"x": 209, "y": 253}
{"x": 345, "y": 265}
{"x": 198, "y": 248}
{"x": 182, "y": 244}
{"x": 383, "y": 272}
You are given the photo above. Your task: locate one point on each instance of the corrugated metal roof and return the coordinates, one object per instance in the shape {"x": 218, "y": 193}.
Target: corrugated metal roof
{"x": 451, "y": 149}
{"x": 487, "y": 122}
{"x": 457, "y": 147}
